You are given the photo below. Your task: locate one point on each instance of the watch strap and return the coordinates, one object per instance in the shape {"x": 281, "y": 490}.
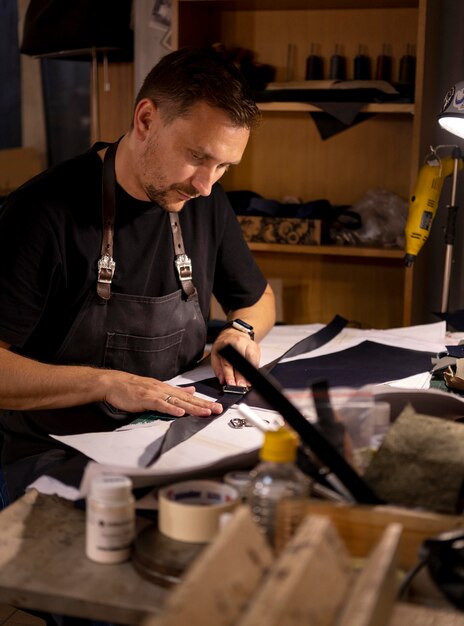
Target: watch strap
{"x": 241, "y": 326}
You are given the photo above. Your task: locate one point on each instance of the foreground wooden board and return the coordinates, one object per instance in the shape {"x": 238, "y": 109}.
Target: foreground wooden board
{"x": 43, "y": 566}
{"x": 219, "y": 585}
{"x": 370, "y": 601}
{"x": 360, "y": 527}
{"x": 411, "y": 615}
{"x": 308, "y": 581}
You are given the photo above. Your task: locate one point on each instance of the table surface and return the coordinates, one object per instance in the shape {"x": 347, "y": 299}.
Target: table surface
{"x": 50, "y": 531}
{"x": 43, "y": 566}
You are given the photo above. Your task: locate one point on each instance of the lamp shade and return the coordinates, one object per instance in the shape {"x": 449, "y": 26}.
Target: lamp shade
{"x": 451, "y": 116}
{"x": 71, "y": 29}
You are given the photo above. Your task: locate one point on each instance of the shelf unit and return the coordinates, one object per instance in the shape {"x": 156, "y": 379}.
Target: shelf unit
{"x": 286, "y": 155}
{"x": 363, "y": 282}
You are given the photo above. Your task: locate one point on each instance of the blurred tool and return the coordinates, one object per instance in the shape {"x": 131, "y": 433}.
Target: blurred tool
{"x": 450, "y": 231}
{"x": 273, "y": 423}
{"x": 327, "y": 485}
{"x": 270, "y": 390}
{"x": 332, "y": 429}
{"x": 423, "y": 206}
{"x": 424, "y": 202}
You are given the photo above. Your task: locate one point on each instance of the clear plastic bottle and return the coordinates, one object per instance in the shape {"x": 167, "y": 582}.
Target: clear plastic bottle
{"x": 110, "y": 519}
{"x": 275, "y": 479}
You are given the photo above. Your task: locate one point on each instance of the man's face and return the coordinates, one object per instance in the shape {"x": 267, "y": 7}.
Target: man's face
{"x": 183, "y": 159}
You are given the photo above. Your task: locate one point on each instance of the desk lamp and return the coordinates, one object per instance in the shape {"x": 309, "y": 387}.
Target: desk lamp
{"x": 80, "y": 30}
{"x": 451, "y": 116}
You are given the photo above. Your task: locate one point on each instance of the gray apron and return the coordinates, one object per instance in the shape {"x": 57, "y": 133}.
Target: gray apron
{"x": 148, "y": 336}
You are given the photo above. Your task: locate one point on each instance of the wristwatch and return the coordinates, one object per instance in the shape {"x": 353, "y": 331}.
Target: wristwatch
{"x": 241, "y": 326}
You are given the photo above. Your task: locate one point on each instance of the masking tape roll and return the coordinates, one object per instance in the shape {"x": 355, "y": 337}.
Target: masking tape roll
{"x": 191, "y": 510}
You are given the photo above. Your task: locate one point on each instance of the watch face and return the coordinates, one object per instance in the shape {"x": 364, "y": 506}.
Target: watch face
{"x": 243, "y": 327}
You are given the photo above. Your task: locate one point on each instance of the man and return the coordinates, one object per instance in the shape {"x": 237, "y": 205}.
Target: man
{"x": 103, "y": 296}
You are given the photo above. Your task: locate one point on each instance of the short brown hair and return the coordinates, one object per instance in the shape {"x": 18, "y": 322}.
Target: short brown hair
{"x": 190, "y": 75}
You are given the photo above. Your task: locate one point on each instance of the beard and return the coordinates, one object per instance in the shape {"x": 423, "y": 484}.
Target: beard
{"x": 161, "y": 196}
{"x": 156, "y": 186}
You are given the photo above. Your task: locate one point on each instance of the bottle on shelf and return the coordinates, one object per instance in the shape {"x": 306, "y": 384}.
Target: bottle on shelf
{"x": 362, "y": 65}
{"x": 291, "y": 56}
{"x": 276, "y": 480}
{"x": 314, "y": 65}
{"x": 407, "y": 72}
{"x": 338, "y": 64}
{"x": 384, "y": 64}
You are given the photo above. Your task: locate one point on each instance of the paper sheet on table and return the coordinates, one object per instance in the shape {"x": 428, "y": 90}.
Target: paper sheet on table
{"x": 126, "y": 444}
{"x": 213, "y": 446}
{"x": 218, "y": 444}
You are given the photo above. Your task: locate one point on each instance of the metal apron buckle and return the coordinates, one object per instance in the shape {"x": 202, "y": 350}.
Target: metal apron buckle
{"x": 183, "y": 264}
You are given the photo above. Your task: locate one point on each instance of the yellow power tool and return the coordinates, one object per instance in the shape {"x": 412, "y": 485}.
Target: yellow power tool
{"x": 424, "y": 202}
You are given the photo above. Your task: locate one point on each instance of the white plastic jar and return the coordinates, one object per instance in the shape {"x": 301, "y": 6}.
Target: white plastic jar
{"x": 110, "y": 519}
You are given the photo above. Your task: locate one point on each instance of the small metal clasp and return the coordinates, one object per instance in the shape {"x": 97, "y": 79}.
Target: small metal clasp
{"x": 238, "y": 422}
{"x": 106, "y": 267}
{"x": 184, "y": 266}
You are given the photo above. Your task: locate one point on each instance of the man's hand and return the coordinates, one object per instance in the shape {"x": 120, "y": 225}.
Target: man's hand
{"x": 131, "y": 393}
{"x": 261, "y": 316}
{"x": 243, "y": 344}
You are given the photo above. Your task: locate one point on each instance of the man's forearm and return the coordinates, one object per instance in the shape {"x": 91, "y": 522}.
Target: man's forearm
{"x": 261, "y": 315}
{"x": 28, "y": 384}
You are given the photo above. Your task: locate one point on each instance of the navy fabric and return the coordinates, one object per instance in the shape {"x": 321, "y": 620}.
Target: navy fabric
{"x": 366, "y": 363}
{"x": 316, "y": 340}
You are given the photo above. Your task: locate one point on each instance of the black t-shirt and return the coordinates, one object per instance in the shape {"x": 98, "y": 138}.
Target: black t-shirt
{"x": 50, "y": 239}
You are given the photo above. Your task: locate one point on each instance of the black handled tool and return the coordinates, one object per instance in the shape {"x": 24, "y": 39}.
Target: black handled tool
{"x": 270, "y": 389}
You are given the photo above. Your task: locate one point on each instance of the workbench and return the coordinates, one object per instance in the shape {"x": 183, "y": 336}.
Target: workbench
{"x": 43, "y": 566}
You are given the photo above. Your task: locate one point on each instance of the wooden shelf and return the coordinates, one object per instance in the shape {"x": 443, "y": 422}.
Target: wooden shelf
{"x": 370, "y": 107}
{"x": 352, "y": 251}
{"x": 295, "y": 154}
{"x": 313, "y": 283}
{"x": 298, "y": 5}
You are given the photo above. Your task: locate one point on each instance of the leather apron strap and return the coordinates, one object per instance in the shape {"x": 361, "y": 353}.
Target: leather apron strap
{"x": 106, "y": 263}
{"x": 182, "y": 261}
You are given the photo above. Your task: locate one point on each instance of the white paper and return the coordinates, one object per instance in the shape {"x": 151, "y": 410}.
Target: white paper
{"x": 118, "y": 447}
